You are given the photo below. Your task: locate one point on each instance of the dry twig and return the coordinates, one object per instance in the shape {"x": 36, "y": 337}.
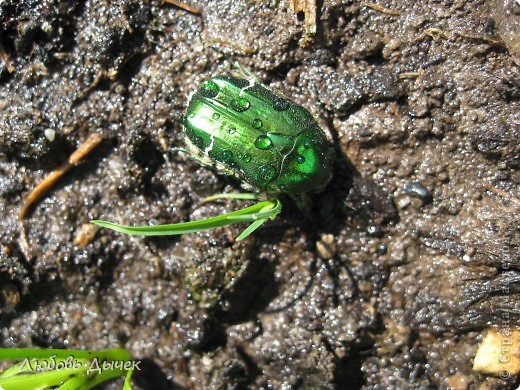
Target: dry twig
{"x": 382, "y": 9}
{"x": 47, "y": 183}
{"x": 501, "y": 193}
{"x": 185, "y": 7}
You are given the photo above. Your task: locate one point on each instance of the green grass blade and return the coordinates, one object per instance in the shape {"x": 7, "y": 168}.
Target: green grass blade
{"x": 14, "y": 370}
{"x": 231, "y": 195}
{"x": 29, "y": 380}
{"x": 128, "y": 380}
{"x": 268, "y": 211}
{"x": 25, "y": 375}
{"x": 86, "y": 382}
{"x": 247, "y": 214}
{"x": 35, "y": 353}
{"x": 250, "y": 229}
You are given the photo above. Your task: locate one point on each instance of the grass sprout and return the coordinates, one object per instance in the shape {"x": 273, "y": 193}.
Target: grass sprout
{"x": 257, "y": 214}
{"x": 64, "y": 369}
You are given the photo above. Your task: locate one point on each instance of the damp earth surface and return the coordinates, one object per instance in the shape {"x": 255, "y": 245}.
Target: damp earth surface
{"x": 391, "y": 278}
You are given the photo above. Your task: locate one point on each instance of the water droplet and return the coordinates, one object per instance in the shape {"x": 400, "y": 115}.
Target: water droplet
{"x": 216, "y": 115}
{"x": 240, "y": 104}
{"x": 192, "y": 115}
{"x": 265, "y": 173}
{"x": 246, "y": 157}
{"x": 209, "y": 89}
{"x": 198, "y": 141}
{"x": 257, "y": 123}
{"x": 307, "y": 144}
{"x": 280, "y": 104}
{"x": 232, "y": 130}
{"x": 263, "y": 142}
{"x": 227, "y": 156}
{"x": 300, "y": 159}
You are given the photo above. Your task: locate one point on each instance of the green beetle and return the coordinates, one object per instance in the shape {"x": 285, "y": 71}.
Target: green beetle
{"x": 272, "y": 145}
{"x": 268, "y": 142}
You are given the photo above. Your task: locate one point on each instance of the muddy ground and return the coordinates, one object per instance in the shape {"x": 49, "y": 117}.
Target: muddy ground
{"x": 390, "y": 282}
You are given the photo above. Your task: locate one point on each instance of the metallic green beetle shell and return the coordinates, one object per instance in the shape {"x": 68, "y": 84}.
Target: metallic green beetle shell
{"x": 267, "y": 141}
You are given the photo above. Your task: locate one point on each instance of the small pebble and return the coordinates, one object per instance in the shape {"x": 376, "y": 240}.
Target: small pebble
{"x": 382, "y": 249}
{"x": 417, "y": 190}
{"x": 403, "y": 202}
{"x": 326, "y": 246}
{"x": 85, "y": 235}
{"x": 499, "y": 353}
{"x": 50, "y": 134}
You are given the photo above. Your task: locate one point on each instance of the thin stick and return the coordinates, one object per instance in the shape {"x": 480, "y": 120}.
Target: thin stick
{"x": 47, "y": 183}
{"x": 382, "y": 9}
{"x": 125, "y": 19}
{"x": 185, "y": 7}
{"x": 501, "y": 193}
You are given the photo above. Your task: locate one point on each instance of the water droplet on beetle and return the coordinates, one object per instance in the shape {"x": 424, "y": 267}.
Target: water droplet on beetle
{"x": 240, "y": 104}
{"x": 280, "y": 104}
{"x": 246, "y": 157}
{"x": 198, "y": 141}
{"x": 216, "y": 115}
{"x": 307, "y": 144}
{"x": 227, "y": 156}
{"x": 232, "y": 130}
{"x": 300, "y": 159}
{"x": 265, "y": 173}
{"x": 263, "y": 142}
{"x": 209, "y": 89}
{"x": 257, "y": 123}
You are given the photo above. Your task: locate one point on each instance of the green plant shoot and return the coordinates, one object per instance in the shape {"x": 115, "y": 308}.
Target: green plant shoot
{"x": 64, "y": 369}
{"x": 257, "y": 214}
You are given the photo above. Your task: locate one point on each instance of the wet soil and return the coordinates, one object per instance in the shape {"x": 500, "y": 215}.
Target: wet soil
{"x": 406, "y": 258}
